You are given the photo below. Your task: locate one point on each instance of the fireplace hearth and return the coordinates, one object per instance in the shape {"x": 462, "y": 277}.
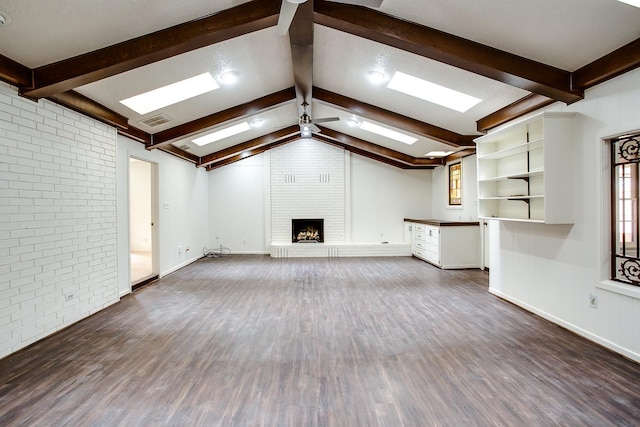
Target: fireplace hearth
{"x": 307, "y": 230}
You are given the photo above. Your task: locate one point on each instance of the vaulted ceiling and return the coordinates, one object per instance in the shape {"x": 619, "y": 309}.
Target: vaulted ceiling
{"x": 516, "y": 56}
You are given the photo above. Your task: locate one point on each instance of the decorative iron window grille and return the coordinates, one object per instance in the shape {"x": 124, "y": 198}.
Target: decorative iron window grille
{"x": 625, "y": 228}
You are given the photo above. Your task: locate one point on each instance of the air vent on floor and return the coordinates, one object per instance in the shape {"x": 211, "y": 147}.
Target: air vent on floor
{"x": 156, "y": 120}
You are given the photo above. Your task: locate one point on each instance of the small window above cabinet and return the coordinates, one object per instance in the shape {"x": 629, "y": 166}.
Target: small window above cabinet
{"x": 526, "y": 170}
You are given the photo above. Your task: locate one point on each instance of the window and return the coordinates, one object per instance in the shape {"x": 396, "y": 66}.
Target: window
{"x": 625, "y": 161}
{"x": 455, "y": 184}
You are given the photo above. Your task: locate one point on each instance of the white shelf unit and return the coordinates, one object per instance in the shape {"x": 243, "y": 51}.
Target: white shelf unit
{"x": 526, "y": 170}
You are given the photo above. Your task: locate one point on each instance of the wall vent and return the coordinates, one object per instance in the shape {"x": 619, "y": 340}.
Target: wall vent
{"x": 156, "y": 120}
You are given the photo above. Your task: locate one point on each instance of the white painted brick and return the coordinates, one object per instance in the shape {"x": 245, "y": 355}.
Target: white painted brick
{"x": 51, "y": 156}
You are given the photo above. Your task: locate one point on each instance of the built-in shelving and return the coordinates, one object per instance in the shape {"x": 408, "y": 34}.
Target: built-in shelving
{"x": 526, "y": 172}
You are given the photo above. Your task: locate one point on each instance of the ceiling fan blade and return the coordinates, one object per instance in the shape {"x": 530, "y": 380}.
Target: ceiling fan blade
{"x": 326, "y": 119}
{"x": 369, "y": 3}
{"x": 287, "y": 12}
{"x": 315, "y": 128}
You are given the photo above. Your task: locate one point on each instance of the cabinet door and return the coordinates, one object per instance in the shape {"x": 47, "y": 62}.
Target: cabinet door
{"x": 433, "y": 244}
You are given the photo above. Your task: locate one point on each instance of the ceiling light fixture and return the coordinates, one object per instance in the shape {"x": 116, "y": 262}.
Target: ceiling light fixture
{"x": 388, "y": 133}
{"x": 171, "y": 94}
{"x": 256, "y": 123}
{"x": 376, "y": 77}
{"x": 635, "y": 3}
{"x": 432, "y": 92}
{"x": 229, "y": 77}
{"x": 222, "y": 134}
{"x": 4, "y": 19}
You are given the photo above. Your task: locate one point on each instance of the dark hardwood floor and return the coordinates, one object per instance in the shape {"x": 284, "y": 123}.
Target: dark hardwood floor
{"x": 256, "y": 341}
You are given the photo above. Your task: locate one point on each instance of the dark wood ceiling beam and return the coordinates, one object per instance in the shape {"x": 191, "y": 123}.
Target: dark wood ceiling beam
{"x": 14, "y": 73}
{"x": 344, "y": 146}
{"x": 136, "y": 134}
{"x": 250, "y": 153}
{"x": 80, "y": 103}
{"x": 379, "y": 152}
{"x": 256, "y": 106}
{"x": 99, "y": 64}
{"x": 393, "y": 119}
{"x": 453, "y": 50}
{"x": 609, "y": 66}
{"x": 249, "y": 145}
{"x": 301, "y": 40}
{"x": 181, "y": 154}
{"x": 460, "y": 154}
{"x": 512, "y": 111}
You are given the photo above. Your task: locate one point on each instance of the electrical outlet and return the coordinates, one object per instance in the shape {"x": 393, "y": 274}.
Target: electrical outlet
{"x": 593, "y": 301}
{"x": 68, "y": 296}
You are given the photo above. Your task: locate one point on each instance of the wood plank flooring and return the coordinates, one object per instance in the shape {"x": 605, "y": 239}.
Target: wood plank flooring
{"x": 257, "y": 341}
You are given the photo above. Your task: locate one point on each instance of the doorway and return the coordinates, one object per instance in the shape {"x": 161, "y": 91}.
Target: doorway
{"x": 142, "y": 222}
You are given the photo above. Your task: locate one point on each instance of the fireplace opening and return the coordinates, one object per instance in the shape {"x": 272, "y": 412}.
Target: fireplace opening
{"x": 307, "y": 230}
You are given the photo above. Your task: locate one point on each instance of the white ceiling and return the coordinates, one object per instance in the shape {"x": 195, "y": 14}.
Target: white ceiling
{"x": 566, "y": 34}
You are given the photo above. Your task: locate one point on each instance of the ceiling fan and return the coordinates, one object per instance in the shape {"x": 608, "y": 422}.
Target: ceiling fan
{"x": 296, "y": 19}
{"x": 308, "y": 125}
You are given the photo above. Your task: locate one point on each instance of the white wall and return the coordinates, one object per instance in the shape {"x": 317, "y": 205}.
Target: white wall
{"x": 237, "y": 206}
{"x": 469, "y": 209}
{"x": 382, "y": 196}
{"x": 552, "y": 269}
{"x": 57, "y": 219}
{"x": 374, "y": 198}
{"x": 183, "y": 209}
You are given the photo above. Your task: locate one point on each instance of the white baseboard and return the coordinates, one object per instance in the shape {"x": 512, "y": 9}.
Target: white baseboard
{"x": 570, "y": 326}
{"x": 179, "y": 266}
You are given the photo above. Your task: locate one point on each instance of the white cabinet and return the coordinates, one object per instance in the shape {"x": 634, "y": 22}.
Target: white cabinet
{"x": 526, "y": 170}
{"x": 446, "y": 244}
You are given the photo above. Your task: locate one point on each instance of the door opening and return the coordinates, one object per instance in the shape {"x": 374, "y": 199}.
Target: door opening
{"x": 142, "y": 222}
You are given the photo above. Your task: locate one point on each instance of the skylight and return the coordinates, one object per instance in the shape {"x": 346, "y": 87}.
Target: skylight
{"x": 432, "y": 92}
{"x": 388, "y": 133}
{"x": 171, "y": 94}
{"x": 438, "y": 153}
{"x": 635, "y": 3}
{"x": 222, "y": 134}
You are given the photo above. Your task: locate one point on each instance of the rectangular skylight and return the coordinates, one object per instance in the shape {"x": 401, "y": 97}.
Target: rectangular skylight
{"x": 171, "y": 94}
{"x": 388, "y": 133}
{"x": 432, "y": 92}
{"x": 222, "y": 134}
{"x": 438, "y": 153}
{"x": 635, "y": 3}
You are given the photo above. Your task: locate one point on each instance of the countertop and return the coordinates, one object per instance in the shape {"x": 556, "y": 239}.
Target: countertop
{"x": 441, "y": 223}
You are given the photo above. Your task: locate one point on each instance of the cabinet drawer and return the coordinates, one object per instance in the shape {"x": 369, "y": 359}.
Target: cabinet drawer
{"x": 420, "y": 228}
{"x": 420, "y": 252}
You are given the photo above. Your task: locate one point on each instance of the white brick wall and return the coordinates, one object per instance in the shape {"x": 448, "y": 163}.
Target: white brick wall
{"x": 57, "y": 218}
{"x": 308, "y": 181}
